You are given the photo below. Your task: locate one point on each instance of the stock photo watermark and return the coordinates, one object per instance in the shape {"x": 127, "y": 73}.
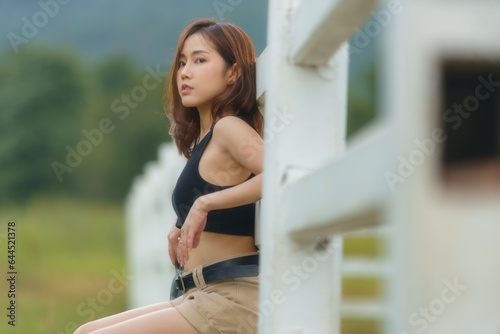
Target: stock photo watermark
{"x": 364, "y": 36}
{"x": 11, "y": 273}
{"x": 89, "y": 309}
{"x": 422, "y": 318}
{"x": 121, "y": 106}
{"x": 31, "y": 25}
{"x": 292, "y": 279}
{"x": 455, "y": 116}
{"x": 382, "y": 18}
{"x": 223, "y": 6}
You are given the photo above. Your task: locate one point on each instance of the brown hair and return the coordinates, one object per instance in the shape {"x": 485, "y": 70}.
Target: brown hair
{"x": 234, "y": 46}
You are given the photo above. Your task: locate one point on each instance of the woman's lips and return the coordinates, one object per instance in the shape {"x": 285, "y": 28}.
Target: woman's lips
{"x": 186, "y": 89}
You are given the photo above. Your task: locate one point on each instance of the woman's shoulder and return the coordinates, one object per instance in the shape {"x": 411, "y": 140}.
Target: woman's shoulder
{"x": 231, "y": 123}
{"x": 232, "y": 130}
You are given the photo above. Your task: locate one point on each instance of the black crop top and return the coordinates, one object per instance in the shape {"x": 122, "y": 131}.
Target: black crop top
{"x": 190, "y": 185}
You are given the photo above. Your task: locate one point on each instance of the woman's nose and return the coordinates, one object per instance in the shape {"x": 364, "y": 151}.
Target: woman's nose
{"x": 185, "y": 72}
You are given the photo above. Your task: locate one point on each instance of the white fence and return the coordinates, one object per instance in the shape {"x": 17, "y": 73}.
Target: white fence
{"x": 150, "y": 216}
{"x": 318, "y": 189}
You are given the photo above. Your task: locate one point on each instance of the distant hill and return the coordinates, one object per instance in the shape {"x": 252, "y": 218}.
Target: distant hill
{"x": 145, "y": 30}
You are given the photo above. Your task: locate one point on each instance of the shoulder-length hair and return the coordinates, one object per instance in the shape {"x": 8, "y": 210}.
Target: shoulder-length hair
{"x": 234, "y": 45}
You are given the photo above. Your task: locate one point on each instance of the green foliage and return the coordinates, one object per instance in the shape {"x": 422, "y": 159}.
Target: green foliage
{"x": 139, "y": 126}
{"x": 362, "y": 94}
{"x": 50, "y": 100}
{"x": 64, "y": 260}
{"x": 42, "y": 96}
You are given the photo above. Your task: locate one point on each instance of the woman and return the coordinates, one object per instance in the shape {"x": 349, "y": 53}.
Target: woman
{"x": 216, "y": 124}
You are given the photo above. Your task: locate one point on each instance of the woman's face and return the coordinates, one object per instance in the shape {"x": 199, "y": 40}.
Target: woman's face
{"x": 201, "y": 76}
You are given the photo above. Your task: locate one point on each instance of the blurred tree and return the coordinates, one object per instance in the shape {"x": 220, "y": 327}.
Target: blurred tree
{"x": 53, "y": 108}
{"x": 42, "y": 95}
{"x": 132, "y": 99}
{"x": 65, "y": 128}
{"x": 362, "y": 103}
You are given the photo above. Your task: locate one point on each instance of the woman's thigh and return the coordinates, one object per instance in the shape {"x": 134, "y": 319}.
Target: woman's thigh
{"x": 166, "y": 321}
{"x": 120, "y": 317}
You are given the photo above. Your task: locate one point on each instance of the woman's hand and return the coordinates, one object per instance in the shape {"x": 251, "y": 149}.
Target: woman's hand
{"x": 191, "y": 229}
{"x": 173, "y": 241}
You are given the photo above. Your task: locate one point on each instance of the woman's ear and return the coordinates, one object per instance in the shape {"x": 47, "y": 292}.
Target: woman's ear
{"x": 232, "y": 74}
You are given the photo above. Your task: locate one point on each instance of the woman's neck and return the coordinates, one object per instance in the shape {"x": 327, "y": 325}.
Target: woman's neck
{"x": 205, "y": 121}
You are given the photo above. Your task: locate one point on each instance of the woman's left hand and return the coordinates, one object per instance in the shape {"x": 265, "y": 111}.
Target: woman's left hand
{"x": 191, "y": 230}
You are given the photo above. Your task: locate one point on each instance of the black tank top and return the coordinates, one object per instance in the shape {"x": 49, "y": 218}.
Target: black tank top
{"x": 190, "y": 185}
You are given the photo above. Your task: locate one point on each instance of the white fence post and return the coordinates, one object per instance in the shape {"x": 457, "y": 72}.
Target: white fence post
{"x": 305, "y": 119}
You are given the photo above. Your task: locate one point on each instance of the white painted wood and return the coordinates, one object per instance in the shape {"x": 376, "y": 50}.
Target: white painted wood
{"x": 366, "y": 267}
{"x": 262, "y": 68}
{"x": 363, "y": 309}
{"x": 149, "y": 218}
{"x": 443, "y": 236}
{"x": 319, "y": 28}
{"x": 305, "y": 118}
{"x": 344, "y": 195}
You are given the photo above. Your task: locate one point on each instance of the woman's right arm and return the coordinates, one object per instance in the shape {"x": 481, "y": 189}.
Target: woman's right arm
{"x": 173, "y": 241}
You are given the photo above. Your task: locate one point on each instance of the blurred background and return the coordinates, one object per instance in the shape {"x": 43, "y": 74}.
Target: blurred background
{"x": 81, "y": 86}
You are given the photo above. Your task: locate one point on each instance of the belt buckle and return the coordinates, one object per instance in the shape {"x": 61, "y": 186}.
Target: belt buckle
{"x": 175, "y": 291}
{"x": 182, "y": 282}
{"x": 180, "y": 272}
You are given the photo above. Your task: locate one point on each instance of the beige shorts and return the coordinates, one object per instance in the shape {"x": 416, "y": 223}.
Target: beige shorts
{"x": 224, "y": 306}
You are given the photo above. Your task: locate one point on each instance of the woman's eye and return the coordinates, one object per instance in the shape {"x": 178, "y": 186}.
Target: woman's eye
{"x": 200, "y": 60}
{"x": 182, "y": 63}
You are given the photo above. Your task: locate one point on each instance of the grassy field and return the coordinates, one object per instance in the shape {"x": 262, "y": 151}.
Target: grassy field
{"x": 367, "y": 246}
{"x": 70, "y": 258}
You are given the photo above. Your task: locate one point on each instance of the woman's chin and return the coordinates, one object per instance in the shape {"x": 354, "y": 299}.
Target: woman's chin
{"x": 188, "y": 104}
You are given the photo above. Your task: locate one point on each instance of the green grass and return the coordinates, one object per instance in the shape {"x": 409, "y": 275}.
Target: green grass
{"x": 68, "y": 250}
{"x": 66, "y": 254}
{"x": 370, "y": 247}
{"x": 364, "y": 246}
{"x": 365, "y": 326}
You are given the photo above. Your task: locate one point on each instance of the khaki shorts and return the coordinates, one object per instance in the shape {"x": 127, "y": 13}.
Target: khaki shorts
{"x": 224, "y": 306}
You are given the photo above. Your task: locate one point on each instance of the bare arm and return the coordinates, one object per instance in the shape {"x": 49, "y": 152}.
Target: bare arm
{"x": 246, "y": 147}
{"x": 244, "y": 193}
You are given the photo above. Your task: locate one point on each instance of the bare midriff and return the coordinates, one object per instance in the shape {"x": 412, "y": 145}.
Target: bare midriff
{"x": 216, "y": 246}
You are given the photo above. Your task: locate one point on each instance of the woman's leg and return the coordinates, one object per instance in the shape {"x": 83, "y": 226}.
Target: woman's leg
{"x": 166, "y": 321}
{"x": 120, "y": 317}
